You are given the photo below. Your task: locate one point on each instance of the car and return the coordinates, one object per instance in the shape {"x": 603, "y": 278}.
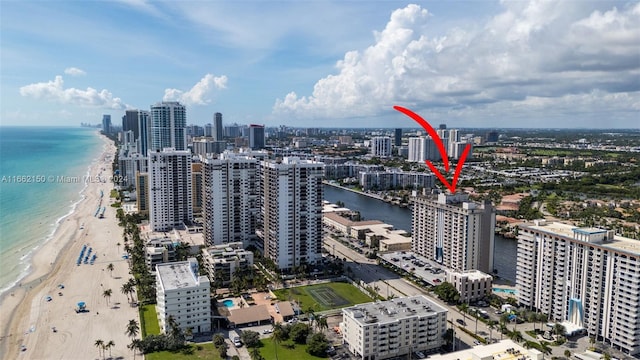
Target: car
{"x": 476, "y": 342}
{"x": 420, "y": 355}
{"x": 437, "y": 281}
{"x": 460, "y": 321}
{"x": 267, "y": 331}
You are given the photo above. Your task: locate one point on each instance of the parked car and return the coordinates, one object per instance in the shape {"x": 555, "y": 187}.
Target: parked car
{"x": 461, "y": 322}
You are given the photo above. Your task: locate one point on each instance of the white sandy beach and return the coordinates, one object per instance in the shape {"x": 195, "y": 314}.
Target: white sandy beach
{"x": 27, "y": 317}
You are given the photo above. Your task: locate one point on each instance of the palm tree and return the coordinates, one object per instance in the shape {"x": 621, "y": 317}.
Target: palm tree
{"x": 542, "y": 318}
{"x": 126, "y": 289}
{"x": 110, "y": 268}
{"x": 107, "y": 294}
{"x": 559, "y": 329}
{"x": 491, "y": 324}
{"x": 109, "y": 345}
{"x": 464, "y": 307}
{"x": 255, "y": 354}
{"x": 136, "y": 344}
{"x": 322, "y": 323}
{"x": 132, "y": 328}
{"x": 188, "y": 333}
{"x": 118, "y": 245}
{"x": 132, "y": 287}
{"x": 99, "y": 344}
{"x": 311, "y": 315}
{"x": 517, "y": 336}
{"x": 277, "y": 336}
{"x": 533, "y": 317}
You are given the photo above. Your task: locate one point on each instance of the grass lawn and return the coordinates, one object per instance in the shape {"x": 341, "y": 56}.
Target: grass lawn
{"x": 268, "y": 351}
{"x": 302, "y": 294}
{"x": 149, "y": 320}
{"x": 200, "y": 351}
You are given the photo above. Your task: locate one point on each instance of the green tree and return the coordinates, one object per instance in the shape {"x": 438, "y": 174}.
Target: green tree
{"x": 317, "y": 345}
{"x": 559, "y": 329}
{"x": 222, "y": 350}
{"x": 250, "y": 338}
{"x": 322, "y": 323}
{"x": 464, "y": 307}
{"x": 567, "y": 354}
{"x": 255, "y": 354}
{"x": 299, "y": 332}
{"x": 447, "y": 292}
{"x": 217, "y": 340}
{"x": 126, "y": 289}
{"x": 136, "y": 344}
{"x": 132, "y": 328}
{"x": 277, "y": 336}
{"x": 491, "y": 324}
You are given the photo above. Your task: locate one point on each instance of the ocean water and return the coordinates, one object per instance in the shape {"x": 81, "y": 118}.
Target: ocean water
{"x": 33, "y": 199}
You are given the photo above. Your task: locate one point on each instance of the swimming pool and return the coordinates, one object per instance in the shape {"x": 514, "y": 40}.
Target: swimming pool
{"x": 228, "y": 303}
{"x": 508, "y": 291}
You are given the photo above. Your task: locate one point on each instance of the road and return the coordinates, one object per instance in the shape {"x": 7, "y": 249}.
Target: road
{"x": 388, "y": 283}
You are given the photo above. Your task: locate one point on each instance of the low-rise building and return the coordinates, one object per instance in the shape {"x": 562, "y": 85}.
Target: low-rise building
{"x": 397, "y": 243}
{"x": 160, "y": 250}
{"x": 224, "y": 260}
{"x": 393, "y": 328}
{"x": 473, "y": 285}
{"x": 503, "y": 350}
{"x": 184, "y": 295}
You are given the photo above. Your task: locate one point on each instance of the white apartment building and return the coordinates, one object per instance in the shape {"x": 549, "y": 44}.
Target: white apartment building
{"x": 454, "y": 232}
{"x": 222, "y": 261}
{"x": 472, "y": 285}
{"x": 586, "y": 278}
{"x": 393, "y": 328}
{"x": 424, "y": 148}
{"x": 168, "y": 126}
{"x": 170, "y": 200}
{"x": 381, "y": 146}
{"x": 292, "y": 211}
{"x": 230, "y": 199}
{"x": 183, "y": 294}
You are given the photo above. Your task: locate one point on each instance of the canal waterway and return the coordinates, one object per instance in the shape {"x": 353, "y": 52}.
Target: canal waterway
{"x": 504, "y": 254}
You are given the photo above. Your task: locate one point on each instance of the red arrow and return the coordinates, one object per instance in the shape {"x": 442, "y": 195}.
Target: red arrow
{"x": 443, "y": 152}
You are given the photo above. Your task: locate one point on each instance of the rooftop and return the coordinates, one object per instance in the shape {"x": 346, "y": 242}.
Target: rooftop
{"x": 502, "y": 350}
{"x": 249, "y": 314}
{"x": 391, "y": 310}
{"x": 179, "y": 275}
{"x": 618, "y": 243}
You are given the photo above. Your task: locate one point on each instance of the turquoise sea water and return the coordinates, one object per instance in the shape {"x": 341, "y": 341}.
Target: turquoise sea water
{"x": 32, "y": 202}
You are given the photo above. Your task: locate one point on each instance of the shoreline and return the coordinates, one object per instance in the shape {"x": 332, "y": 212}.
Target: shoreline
{"x": 27, "y": 317}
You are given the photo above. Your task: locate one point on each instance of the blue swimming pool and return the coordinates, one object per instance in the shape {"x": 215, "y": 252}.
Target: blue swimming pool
{"x": 508, "y": 291}
{"x": 228, "y": 303}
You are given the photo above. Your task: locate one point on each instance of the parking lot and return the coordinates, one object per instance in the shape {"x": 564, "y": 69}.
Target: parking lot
{"x": 426, "y": 270}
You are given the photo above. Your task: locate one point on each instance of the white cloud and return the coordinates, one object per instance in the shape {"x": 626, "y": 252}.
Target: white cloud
{"x": 55, "y": 91}
{"x": 532, "y": 50}
{"x": 200, "y": 93}
{"x": 74, "y": 71}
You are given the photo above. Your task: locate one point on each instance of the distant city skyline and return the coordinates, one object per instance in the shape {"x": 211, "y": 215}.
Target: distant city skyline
{"x": 492, "y": 64}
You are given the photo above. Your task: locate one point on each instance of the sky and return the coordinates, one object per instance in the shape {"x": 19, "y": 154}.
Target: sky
{"x": 480, "y": 63}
